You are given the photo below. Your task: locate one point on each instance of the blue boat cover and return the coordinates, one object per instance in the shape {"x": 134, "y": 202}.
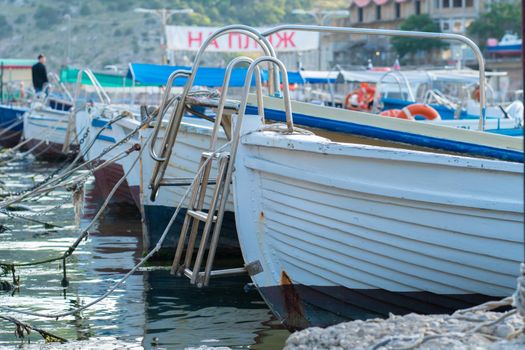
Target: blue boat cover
{"x": 153, "y": 74}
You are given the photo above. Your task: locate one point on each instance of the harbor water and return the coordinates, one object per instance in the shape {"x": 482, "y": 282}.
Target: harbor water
{"x": 153, "y": 309}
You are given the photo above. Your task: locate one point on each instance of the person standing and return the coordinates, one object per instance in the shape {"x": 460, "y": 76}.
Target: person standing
{"x": 39, "y": 74}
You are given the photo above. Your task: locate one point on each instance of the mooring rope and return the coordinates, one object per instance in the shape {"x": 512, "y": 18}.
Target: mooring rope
{"x": 138, "y": 265}
{"x": 517, "y": 300}
{"x": 50, "y": 181}
{"x": 10, "y": 127}
{"x": 85, "y": 231}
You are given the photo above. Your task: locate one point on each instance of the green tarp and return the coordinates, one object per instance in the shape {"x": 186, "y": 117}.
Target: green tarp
{"x": 69, "y": 75}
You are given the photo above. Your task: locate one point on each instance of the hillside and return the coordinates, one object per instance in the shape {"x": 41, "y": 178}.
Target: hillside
{"x": 111, "y": 33}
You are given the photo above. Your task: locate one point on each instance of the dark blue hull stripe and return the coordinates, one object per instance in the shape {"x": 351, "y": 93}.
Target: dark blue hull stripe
{"x": 393, "y": 135}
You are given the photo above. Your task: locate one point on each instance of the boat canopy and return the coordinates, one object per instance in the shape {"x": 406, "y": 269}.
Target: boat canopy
{"x": 153, "y": 74}
{"x": 107, "y": 80}
{"x": 318, "y": 77}
{"x": 16, "y": 63}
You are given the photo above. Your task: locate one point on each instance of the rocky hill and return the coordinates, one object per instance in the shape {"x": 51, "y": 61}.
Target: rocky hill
{"x": 98, "y": 33}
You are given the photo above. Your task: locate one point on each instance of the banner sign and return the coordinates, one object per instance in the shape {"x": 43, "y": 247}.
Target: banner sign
{"x": 191, "y": 38}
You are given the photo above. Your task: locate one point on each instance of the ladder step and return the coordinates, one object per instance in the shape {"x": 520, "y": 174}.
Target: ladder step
{"x": 214, "y": 155}
{"x": 200, "y": 215}
{"x": 180, "y": 181}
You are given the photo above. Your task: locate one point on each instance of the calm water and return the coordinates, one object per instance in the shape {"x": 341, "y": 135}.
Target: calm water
{"x": 151, "y": 310}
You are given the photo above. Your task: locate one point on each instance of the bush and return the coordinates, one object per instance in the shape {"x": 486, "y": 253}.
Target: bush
{"x": 85, "y": 10}
{"x": 5, "y": 28}
{"x": 46, "y": 17}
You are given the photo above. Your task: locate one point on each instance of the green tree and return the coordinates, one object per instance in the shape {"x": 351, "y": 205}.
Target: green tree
{"x": 5, "y": 28}
{"x": 85, "y": 9}
{"x": 500, "y": 18}
{"x": 422, "y": 23}
{"x": 46, "y": 17}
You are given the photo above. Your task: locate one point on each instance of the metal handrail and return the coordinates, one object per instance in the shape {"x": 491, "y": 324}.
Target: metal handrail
{"x": 56, "y": 79}
{"x": 176, "y": 117}
{"x": 101, "y": 93}
{"x": 224, "y": 93}
{"x": 394, "y": 73}
{"x": 402, "y": 33}
{"x": 171, "y": 79}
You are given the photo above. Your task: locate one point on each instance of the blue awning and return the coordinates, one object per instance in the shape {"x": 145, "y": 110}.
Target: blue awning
{"x": 295, "y": 78}
{"x": 153, "y": 74}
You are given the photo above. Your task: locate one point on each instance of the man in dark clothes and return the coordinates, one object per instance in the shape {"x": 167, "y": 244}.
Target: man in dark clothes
{"x": 39, "y": 73}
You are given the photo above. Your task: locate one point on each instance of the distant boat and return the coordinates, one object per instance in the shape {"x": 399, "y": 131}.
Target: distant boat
{"x": 104, "y": 132}
{"x": 510, "y": 44}
{"x": 11, "y": 124}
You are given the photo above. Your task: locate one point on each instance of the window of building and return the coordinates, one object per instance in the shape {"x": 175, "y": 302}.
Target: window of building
{"x": 398, "y": 10}
{"x": 378, "y": 12}
{"x": 469, "y": 3}
{"x": 360, "y": 14}
{"x": 458, "y": 3}
{"x": 445, "y": 26}
{"x": 417, "y": 5}
{"x": 446, "y": 3}
{"x": 437, "y": 3}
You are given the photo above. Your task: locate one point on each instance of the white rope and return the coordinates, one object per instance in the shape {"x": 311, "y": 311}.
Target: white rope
{"x": 517, "y": 300}
{"x": 139, "y": 264}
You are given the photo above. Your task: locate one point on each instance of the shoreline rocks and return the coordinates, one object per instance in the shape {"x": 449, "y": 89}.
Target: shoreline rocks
{"x": 461, "y": 331}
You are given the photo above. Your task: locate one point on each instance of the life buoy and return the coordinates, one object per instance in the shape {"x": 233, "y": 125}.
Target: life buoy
{"x": 410, "y": 111}
{"x": 476, "y": 94}
{"x": 361, "y": 98}
{"x": 396, "y": 113}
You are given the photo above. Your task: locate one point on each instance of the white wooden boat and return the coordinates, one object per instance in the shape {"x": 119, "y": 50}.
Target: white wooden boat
{"x": 45, "y": 129}
{"x": 193, "y": 139}
{"x": 345, "y": 231}
{"x": 102, "y": 136}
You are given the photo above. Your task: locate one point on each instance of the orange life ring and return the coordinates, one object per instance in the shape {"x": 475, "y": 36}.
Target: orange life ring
{"x": 395, "y": 113}
{"x": 410, "y": 111}
{"x": 476, "y": 95}
{"x": 364, "y": 97}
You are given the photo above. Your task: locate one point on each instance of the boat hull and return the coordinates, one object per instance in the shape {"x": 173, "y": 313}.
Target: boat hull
{"x": 102, "y": 137}
{"x": 345, "y": 231}
{"x": 11, "y": 125}
{"x": 193, "y": 139}
{"x": 45, "y": 129}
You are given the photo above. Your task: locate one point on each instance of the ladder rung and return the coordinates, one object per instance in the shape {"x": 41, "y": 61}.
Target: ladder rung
{"x": 215, "y": 155}
{"x": 228, "y": 272}
{"x": 188, "y": 273}
{"x": 200, "y": 215}
{"x": 180, "y": 181}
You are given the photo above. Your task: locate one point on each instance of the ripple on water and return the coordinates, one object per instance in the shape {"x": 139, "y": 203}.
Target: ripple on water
{"x": 152, "y": 308}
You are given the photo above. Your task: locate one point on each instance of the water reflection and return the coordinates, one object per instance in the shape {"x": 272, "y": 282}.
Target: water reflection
{"x": 151, "y": 310}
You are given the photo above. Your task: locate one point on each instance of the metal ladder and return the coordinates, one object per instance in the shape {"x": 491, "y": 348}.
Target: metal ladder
{"x": 213, "y": 216}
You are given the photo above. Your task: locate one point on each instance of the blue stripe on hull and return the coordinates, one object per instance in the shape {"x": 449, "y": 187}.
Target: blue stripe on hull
{"x": 392, "y": 135}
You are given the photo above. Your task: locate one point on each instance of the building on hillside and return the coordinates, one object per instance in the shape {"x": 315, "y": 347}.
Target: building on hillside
{"x": 453, "y": 16}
